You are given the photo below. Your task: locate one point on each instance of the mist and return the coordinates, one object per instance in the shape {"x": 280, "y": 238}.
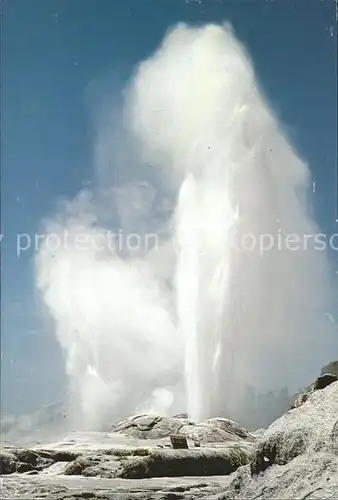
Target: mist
{"x": 192, "y": 322}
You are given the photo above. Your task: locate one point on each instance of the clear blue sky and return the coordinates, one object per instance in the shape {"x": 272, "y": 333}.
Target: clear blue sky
{"x": 53, "y": 51}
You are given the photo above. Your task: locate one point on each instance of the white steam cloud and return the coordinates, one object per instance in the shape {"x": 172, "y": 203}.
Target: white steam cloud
{"x": 190, "y": 330}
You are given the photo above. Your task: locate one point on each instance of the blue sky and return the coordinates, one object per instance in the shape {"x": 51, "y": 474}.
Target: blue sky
{"x": 55, "y": 52}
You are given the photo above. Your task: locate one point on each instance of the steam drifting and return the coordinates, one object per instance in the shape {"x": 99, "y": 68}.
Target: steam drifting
{"x": 189, "y": 325}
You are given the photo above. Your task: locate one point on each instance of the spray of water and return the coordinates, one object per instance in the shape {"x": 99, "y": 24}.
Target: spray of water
{"x": 238, "y": 316}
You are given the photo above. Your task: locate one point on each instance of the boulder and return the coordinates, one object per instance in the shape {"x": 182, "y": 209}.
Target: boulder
{"x": 176, "y": 463}
{"x": 77, "y": 467}
{"x": 210, "y": 434}
{"x": 300, "y": 430}
{"x": 22, "y": 460}
{"x": 8, "y": 463}
{"x": 231, "y": 427}
{"x": 296, "y": 457}
{"x": 149, "y": 426}
{"x": 214, "y": 430}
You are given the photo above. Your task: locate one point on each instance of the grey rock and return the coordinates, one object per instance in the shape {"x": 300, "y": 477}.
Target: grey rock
{"x": 320, "y": 383}
{"x": 231, "y": 427}
{"x": 77, "y": 467}
{"x": 215, "y": 430}
{"x": 8, "y": 463}
{"x": 175, "y": 463}
{"x": 31, "y": 460}
{"x": 306, "y": 428}
{"x": 149, "y": 426}
{"x": 207, "y": 434}
{"x": 297, "y": 456}
{"x": 22, "y": 460}
{"x": 34, "y": 487}
{"x": 24, "y": 467}
{"x": 91, "y": 458}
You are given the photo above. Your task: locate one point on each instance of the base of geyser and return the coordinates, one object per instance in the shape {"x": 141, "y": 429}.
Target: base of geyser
{"x": 296, "y": 457}
{"x": 54, "y": 420}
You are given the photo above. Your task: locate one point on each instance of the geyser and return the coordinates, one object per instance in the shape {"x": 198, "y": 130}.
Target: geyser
{"x": 245, "y": 306}
{"x": 248, "y": 316}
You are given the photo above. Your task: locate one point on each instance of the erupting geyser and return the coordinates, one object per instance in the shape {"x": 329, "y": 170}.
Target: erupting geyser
{"x": 246, "y": 302}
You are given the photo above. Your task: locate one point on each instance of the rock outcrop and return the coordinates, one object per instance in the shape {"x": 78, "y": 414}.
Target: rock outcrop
{"x": 150, "y": 426}
{"x": 295, "y": 458}
{"x": 214, "y": 430}
{"x": 223, "y": 447}
{"x": 138, "y": 449}
{"x": 177, "y": 463}
{"x": 320, "y": 383}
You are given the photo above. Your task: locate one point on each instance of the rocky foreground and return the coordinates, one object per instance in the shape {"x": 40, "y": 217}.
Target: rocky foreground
{"x": 295, "y": 458}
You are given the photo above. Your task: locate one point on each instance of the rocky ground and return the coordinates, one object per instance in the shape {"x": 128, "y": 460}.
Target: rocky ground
{"x": 296, "y": 457}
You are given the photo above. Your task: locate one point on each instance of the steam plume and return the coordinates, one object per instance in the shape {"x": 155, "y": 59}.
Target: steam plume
{"x": 238, "y": 316}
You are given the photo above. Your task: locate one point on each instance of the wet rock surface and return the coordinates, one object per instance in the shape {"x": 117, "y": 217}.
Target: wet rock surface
{"x": 296, "y": 457}
{"x": 128, "y": 460}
